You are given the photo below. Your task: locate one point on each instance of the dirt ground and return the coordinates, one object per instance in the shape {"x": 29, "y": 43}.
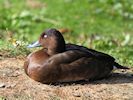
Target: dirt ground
{"x": 15, "y": 85}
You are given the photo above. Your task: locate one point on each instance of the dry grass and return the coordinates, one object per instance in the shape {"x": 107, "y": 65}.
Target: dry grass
{"x": 15, "y": 85}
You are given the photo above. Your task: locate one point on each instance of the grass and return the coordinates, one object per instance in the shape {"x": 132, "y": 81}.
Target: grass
{"x": 104, "y": 25}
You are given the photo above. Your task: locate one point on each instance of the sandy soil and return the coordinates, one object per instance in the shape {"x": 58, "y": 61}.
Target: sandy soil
{"x": 15, "y": 85}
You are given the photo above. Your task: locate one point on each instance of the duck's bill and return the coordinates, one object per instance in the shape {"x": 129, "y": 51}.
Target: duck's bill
{"x": 34, "y": 44}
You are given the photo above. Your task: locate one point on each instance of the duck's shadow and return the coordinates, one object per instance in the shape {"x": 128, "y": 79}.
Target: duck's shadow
{"x": 114, "y": 78}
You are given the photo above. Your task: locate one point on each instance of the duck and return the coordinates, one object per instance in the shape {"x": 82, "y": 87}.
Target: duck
{"x": 58, "y": 61}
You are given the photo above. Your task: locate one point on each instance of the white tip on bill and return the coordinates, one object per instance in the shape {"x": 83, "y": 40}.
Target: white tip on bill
{"x": 114, "y": 68}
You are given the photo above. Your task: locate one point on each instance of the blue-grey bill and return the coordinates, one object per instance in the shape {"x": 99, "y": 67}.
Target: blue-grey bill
{"x": 34, "y": 44}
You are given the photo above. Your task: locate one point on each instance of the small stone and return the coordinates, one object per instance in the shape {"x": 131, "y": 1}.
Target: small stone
{"x": 2, "y": 85}
{"x": 76, "y": 95}
{"x": 10, "y": 85}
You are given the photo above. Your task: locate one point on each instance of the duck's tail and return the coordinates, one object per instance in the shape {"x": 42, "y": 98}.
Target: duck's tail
{"x": 118, "y": 66}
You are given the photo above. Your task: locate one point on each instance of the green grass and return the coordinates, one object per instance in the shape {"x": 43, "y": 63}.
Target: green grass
{"x": 104, "y": 25}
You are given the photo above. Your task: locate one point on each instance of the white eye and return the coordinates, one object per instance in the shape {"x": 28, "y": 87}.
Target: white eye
{"x": 45, "y": 36}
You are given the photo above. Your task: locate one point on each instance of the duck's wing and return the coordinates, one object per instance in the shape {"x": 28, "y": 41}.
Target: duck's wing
{"x": 77, "y": 65}
{"x": 67, "y": 57}
{"x": 90, "y": 52}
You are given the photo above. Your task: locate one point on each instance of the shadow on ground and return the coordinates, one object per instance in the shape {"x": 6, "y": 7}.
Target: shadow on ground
{"x": 114, "y": 78}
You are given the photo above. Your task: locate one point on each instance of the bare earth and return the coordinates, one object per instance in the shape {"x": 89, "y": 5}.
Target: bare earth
{"x": 15, "y": 85}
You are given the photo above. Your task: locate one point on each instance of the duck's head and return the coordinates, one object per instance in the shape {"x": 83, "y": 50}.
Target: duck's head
{"x": 52, "y": 40}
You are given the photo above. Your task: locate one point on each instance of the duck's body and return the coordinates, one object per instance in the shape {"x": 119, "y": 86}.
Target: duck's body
{"x": 60, "y": 62}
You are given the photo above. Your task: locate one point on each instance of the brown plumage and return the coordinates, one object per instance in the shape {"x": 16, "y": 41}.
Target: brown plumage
{"x": 60, "y": 62}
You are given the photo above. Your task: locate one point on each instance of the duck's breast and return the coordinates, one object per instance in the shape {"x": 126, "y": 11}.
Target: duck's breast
{"x": 34, "y": 63}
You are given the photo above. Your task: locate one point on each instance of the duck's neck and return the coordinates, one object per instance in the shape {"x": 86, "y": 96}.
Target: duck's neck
{"x": 56, "y": 48}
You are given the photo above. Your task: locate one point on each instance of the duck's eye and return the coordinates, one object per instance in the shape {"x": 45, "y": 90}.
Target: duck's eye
{"x": 45, "y": 36}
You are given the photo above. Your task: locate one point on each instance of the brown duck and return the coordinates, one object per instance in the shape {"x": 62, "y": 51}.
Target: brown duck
{"x": 60, "y": 62}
